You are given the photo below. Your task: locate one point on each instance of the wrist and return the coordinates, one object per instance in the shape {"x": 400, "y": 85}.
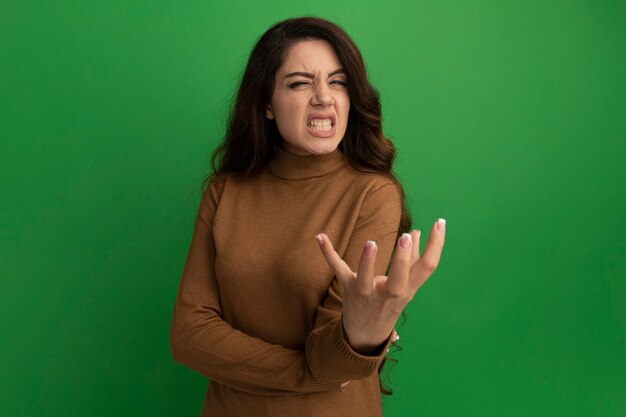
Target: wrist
{"x": 366, "y": 343}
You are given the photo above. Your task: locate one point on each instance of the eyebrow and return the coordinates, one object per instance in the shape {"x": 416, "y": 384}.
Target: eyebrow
{"x": 309, "y": 75}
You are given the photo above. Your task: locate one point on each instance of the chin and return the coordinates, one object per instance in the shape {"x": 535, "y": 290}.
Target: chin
{"x": 321, "y": 150}
{"x": 311, "y": 146}
{"x": 324, "y": 148}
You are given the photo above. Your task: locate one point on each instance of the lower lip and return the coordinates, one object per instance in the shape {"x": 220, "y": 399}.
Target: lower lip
{"x": 322, "y": 133}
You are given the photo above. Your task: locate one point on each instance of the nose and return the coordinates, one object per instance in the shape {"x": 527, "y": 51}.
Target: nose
{"x": 322, "y": 95}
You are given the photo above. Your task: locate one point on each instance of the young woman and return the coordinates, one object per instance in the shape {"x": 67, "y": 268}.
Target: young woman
{"x": 279, "y": 327}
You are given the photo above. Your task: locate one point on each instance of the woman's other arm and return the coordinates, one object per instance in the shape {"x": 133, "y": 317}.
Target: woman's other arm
{"x": 201, "y": 340}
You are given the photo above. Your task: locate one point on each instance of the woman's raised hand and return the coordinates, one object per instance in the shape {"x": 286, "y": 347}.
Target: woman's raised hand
{"x": 372, "y": 304}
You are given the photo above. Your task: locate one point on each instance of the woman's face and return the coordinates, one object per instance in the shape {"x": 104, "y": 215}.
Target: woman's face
{"x": 310, "y": 102}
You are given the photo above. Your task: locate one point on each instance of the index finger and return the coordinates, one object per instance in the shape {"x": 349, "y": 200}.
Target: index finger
{"x": 365, "y": 276}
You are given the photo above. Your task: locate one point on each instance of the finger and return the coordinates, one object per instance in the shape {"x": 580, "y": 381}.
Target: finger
{"x": 399, "y": 269}
{"x": 429, "y": 260}
{"x": 367, "y": 264}
{"x": 415, "y": 251}
{"x": 339, "y": 267}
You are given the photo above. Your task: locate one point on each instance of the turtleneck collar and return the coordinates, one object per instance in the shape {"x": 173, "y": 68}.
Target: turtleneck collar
{"x": 290, "y": 166}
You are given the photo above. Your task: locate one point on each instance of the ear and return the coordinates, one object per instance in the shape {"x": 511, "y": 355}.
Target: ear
{"x": 268, "y": 112}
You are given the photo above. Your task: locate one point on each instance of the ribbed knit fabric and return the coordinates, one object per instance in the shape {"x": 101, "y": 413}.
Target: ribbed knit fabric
{"x": 259, "y": 311}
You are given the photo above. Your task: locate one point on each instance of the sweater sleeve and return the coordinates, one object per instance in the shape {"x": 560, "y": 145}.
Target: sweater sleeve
{"x": 329, "y": 355}
{"x": 201, "y": 340}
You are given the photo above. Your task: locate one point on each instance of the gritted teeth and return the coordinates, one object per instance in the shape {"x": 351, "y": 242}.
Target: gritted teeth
{"x": 320, "y": 127}
{"x": 320, "y": 117}
{"x": 319, "y": 122}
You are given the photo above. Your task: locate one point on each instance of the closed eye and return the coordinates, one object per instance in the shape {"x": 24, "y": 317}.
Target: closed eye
{"x": 299, "y": 83}
{"x": 296, "y": 84}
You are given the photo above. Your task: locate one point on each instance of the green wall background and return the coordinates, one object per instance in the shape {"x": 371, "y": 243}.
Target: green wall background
{"x": 510, "y": 122}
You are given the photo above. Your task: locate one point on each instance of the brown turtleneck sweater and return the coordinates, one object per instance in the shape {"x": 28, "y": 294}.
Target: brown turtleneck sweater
{"x": 258, "y": 310}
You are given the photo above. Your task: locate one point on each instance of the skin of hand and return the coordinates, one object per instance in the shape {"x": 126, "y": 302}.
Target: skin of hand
{"x": 372, "y": 304}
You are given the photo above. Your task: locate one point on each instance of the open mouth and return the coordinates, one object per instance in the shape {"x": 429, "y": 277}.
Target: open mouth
{"x": 320, "y": 124}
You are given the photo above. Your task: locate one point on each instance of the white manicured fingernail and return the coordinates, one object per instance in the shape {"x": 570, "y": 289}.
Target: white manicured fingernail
{"x": 441, "y": 225}
{"x": 405, "y": 241}
{"x": 319, "y": 239}
{"x": 370, "y": 247}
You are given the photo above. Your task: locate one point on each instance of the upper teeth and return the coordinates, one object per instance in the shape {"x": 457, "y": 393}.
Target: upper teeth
{"x": 320, "y": 122}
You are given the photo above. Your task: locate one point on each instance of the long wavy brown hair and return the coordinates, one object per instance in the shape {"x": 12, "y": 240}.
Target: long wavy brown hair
{"x": 250, "y": 137}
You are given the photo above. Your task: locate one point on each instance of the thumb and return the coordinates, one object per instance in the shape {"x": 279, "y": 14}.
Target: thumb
{"x": 339, "y": 267}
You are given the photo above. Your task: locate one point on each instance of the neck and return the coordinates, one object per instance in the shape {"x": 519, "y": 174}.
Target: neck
{"x": 291, "y": 166}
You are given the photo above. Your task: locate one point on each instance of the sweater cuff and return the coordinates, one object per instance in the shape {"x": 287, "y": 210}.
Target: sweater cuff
{"x": 355, "y": 363}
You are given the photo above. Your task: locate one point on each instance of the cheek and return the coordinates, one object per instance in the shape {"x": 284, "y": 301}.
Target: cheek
{"x": 292, "y": 115}
{"x": 345, "y": 100}
{"x": 345, "y": 106}
{"x": 289, "y": 119}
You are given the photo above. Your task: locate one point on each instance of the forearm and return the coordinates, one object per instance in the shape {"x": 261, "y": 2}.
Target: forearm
{"x": 202, "y": 341}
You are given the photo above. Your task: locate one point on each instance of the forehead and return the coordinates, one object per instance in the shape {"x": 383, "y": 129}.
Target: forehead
{"x": 310, "y": 56}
